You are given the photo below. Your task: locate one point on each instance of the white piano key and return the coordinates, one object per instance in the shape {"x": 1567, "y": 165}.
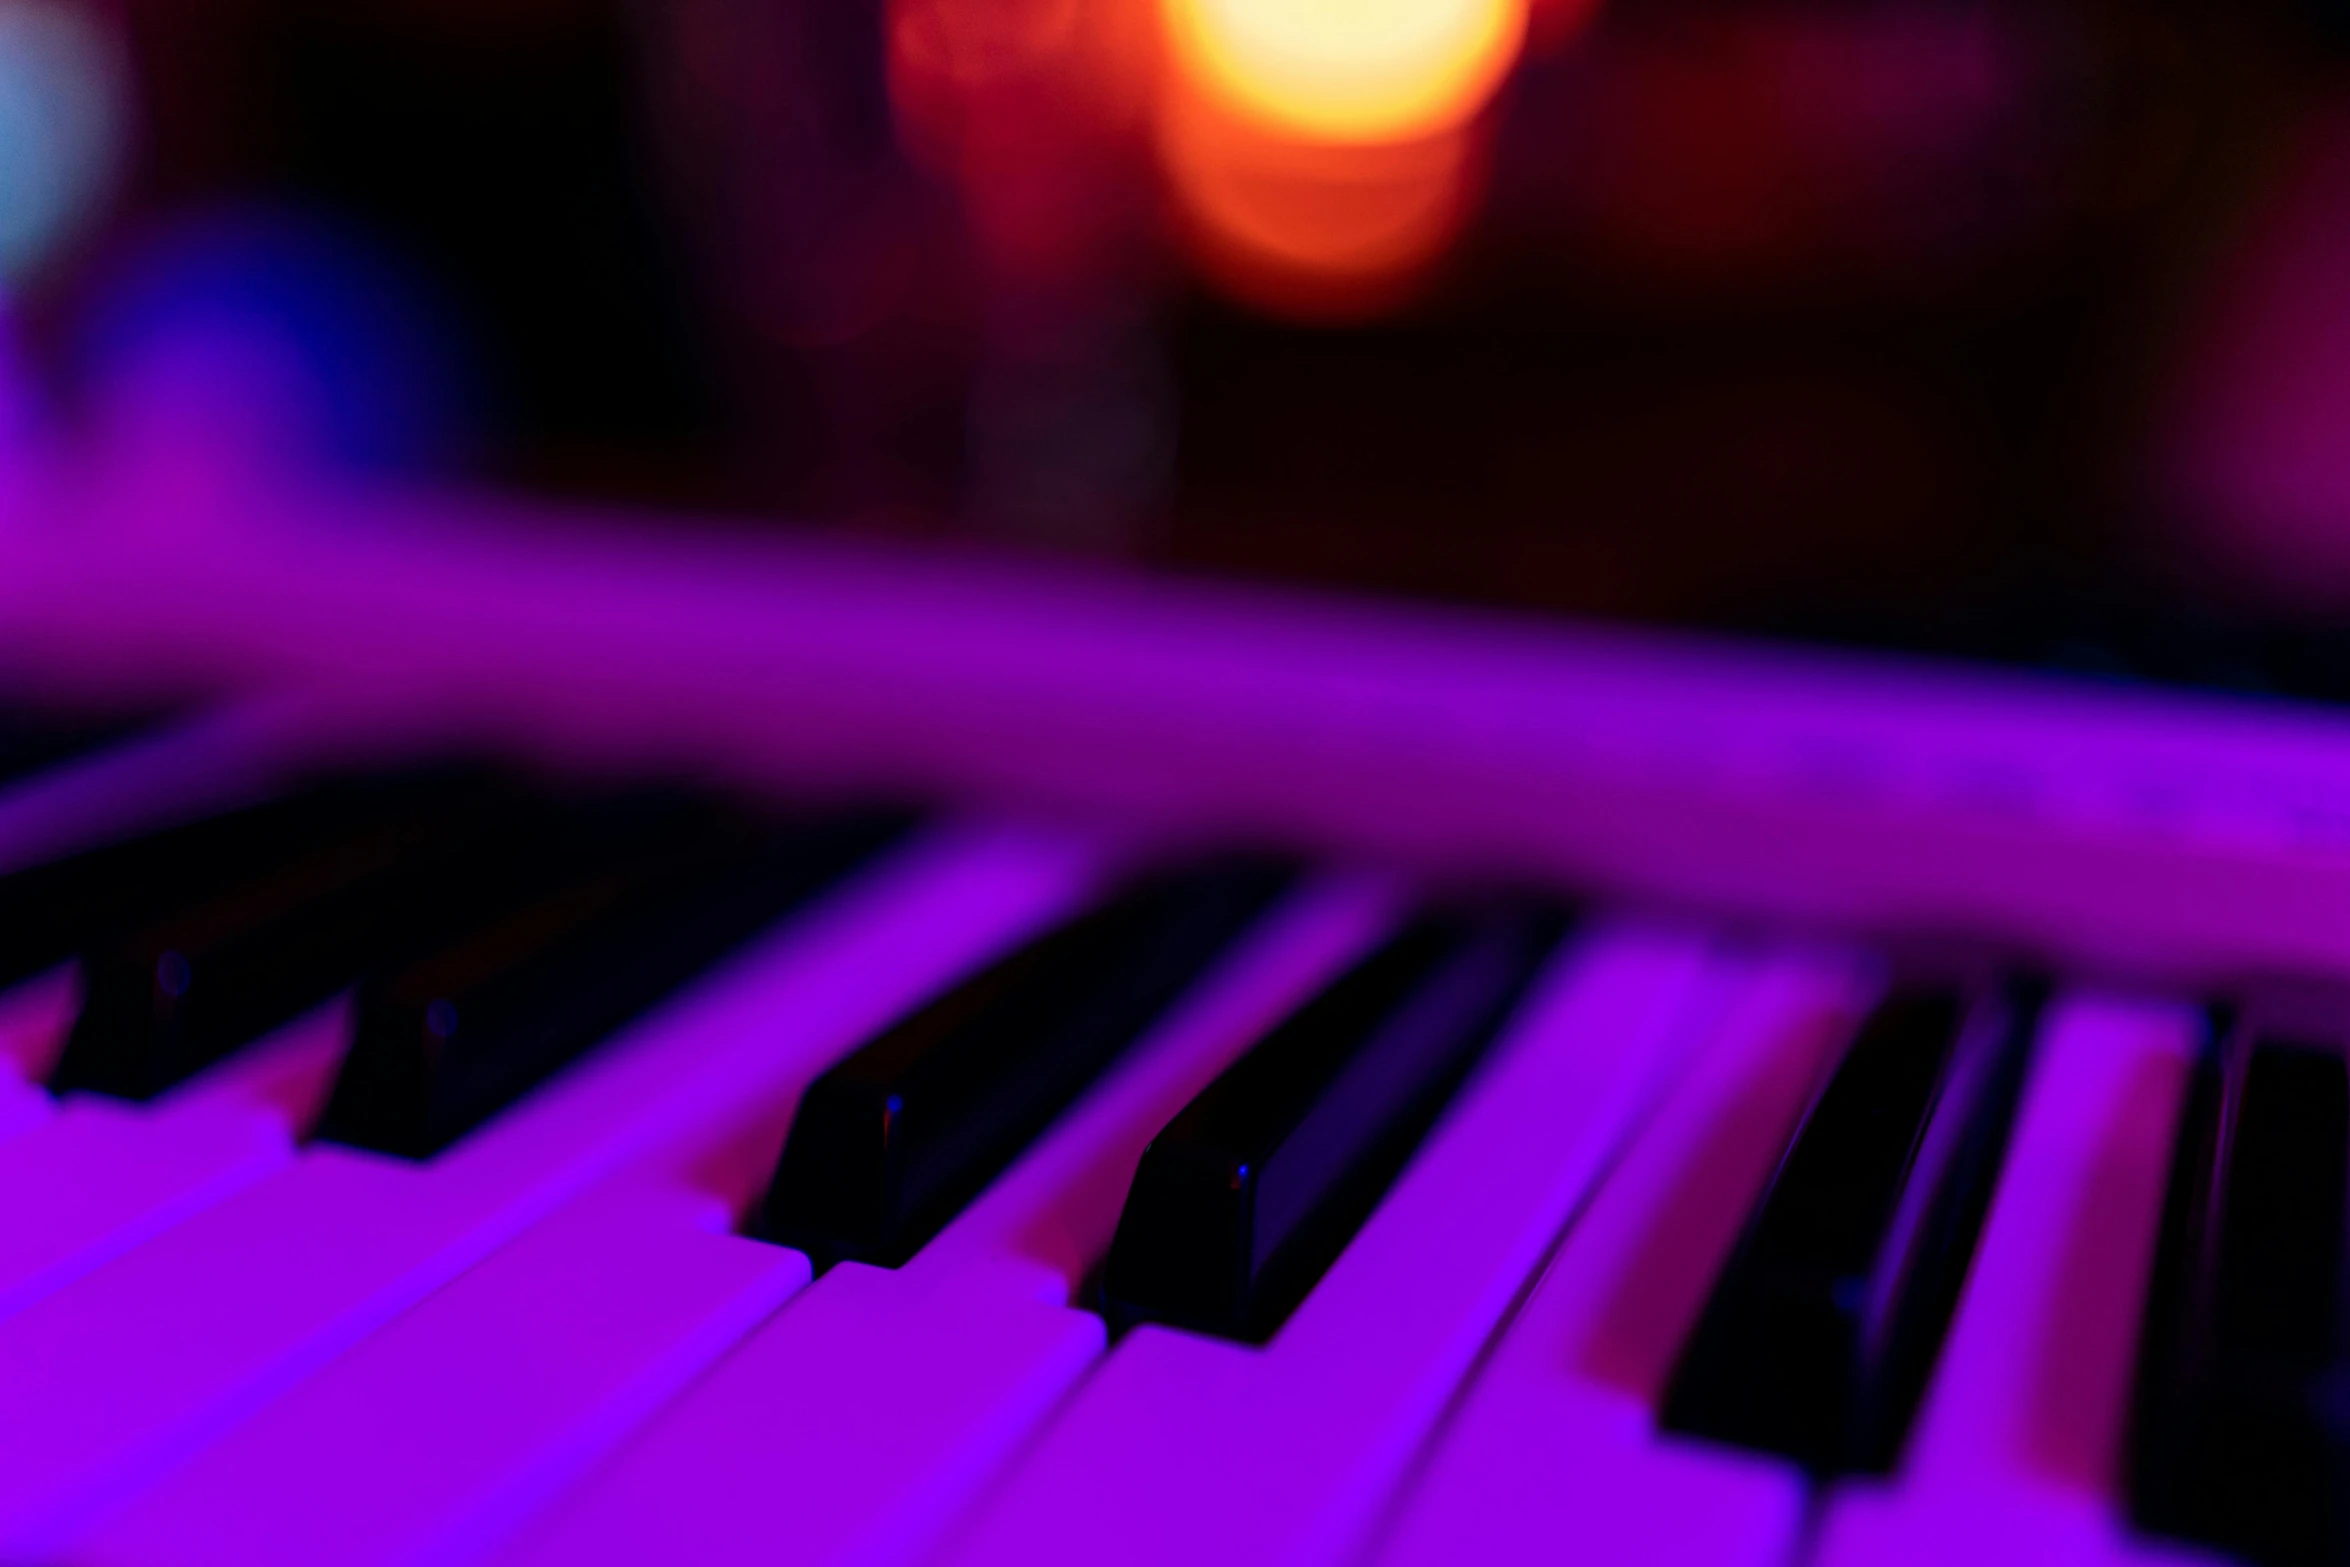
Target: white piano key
{"x": 870, "y": 1413}
{"x": 1555, "y": 1453}
{"x": 22, "y": 1106}
{"x": 430, "y": 1435}
{"x": 100, "y": 1176}
{"x": 2017, "y": 1454}
{"x": 108, "y": 1383}
{"x": 1185, "y": 1449}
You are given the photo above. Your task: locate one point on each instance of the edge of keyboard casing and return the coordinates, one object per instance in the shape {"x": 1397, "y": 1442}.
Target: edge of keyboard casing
{"x": 2126, "y": 831}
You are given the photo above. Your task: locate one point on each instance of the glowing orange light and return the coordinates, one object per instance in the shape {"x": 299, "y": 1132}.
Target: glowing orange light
{"x": 1315, "y": 231}
{"x": 1347, "y": 70}
{"x": 1325, "y": 153}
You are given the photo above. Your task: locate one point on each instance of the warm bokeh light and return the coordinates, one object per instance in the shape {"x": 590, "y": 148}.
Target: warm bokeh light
{"x": 1325, "y": 153}
{"x": 1309, "y": 230}
{"x": 1348, "y": 71}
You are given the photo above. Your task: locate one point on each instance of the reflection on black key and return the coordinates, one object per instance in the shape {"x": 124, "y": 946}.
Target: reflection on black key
{"x": 448, "y": 1041}
{"x": 890, "y": 1144}
{"x": 177, "y": 994}
{"x": 1823, "y": 1326}
{"x": 52, "y": 910}
{"x": 1250, "y": 1193}
{"x": 2241, "y": 1431}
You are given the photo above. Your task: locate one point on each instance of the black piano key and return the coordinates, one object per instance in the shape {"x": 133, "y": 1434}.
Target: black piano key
{"x": 2240, "y": 1433}
{"x": 444, "y": 1043}
{"x": 1821, "y": 1330}
{"x": 1245, "y": 1199}
{"x": 52, "y": 910}
{"x": 889, "y": 1144}
{"x": 177, "y": 994}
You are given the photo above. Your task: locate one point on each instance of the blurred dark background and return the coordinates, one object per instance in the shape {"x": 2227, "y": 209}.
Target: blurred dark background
{"x": 2018, "y": 328}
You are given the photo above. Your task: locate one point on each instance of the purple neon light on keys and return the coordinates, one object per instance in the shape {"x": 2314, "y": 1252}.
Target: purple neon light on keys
{"x": 2017, "y": 1455}
{"x": 421, "y": 1469}
{"x": 126, "y": 1373}
{"x": 1555, "y": 1448}
{"x": 1184, "y": 1449}
{"x": 883, "y": 1402}
{"x": 371, "y": 1361}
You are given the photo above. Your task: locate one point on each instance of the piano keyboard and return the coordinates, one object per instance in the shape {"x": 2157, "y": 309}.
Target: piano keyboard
{"x": 421, "y": 1160}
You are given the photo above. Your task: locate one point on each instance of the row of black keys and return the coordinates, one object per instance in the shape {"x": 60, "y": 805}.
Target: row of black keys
{"x": 1822, "y": 1329}
{"x": 495, "y": 935}
{"x": 492, "y": 935}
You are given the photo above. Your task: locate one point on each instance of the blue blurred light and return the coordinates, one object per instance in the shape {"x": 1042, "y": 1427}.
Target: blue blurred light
{"x": 280, "y": 334}
{"x": 62, "y": 110}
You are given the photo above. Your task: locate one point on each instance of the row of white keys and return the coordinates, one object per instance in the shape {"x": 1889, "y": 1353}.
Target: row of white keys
{"x": 436, "y": 1430}
{"x": 569, "y": 1334}
{"x": 1554, "y": 1453}
{"x": 1182, "y": 1449}
{"x": 108, "y": 1383}
{"x": 2017, "y": 1454}
{"x": 866, "y": 1416}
